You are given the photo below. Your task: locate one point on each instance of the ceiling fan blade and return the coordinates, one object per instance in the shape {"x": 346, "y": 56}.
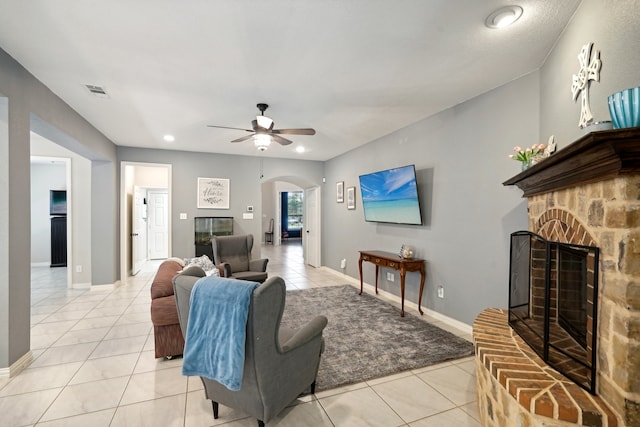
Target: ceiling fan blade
{"x": 305, "y": 131}
{"x": 280, "y": 140}
{"x": 227, "y": 127}
{"x": 244, "y": 138}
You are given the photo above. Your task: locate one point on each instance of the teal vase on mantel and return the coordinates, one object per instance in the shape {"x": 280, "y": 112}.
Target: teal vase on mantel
{"x": 526, "y": 165}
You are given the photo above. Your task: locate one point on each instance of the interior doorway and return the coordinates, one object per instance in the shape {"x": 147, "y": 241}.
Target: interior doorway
{"x": 74, "y": 177}
{"x": 145, "y": 212}
{"x": 51, "y": 245}
{"x": 272, "y": 207}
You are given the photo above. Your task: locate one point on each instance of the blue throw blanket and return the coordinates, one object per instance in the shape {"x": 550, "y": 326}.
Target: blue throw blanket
{"x": 216, "y": 332}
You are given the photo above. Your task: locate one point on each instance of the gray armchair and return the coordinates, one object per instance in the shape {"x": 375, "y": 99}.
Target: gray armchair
{"x": 233, "y": 253}
{"x": 280, "y": 363}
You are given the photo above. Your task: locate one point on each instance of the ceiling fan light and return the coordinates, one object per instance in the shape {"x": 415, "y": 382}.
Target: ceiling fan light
{"x": 264, "y": 122}
{"x": 262, "y": 141}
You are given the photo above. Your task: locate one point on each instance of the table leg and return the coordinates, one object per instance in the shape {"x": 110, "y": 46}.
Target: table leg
{"x": 360, "y": 268}
{"x": 402, "y": 276}
{"x": 422, "y": 276}
{"x": 377, "y": 279}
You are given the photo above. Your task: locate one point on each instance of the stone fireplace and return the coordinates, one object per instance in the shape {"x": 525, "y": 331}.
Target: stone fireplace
{"x": 586, "y": 194}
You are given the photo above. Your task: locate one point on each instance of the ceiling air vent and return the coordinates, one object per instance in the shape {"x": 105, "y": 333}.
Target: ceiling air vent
{"x": 97, "y": 91}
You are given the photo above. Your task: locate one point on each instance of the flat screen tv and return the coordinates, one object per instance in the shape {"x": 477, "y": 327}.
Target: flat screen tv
{"x": 391, "y": 196}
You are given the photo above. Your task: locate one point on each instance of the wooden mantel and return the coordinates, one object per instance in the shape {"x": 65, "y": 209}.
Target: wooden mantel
{"x": 594, "y": 157}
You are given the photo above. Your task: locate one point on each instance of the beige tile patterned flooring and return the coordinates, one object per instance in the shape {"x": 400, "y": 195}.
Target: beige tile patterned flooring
{"x": 94, "y": 366}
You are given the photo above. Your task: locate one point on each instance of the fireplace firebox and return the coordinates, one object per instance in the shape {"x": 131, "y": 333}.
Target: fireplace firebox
{"x": 553, "y": 289}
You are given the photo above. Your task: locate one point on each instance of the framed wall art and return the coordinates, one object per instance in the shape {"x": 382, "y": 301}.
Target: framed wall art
{"x": 340, "y": 191}
{"x": 213, "y": 193}
{"x": 351, "y": 198}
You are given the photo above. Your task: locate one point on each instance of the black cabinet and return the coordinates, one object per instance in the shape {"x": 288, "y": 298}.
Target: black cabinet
{"x": 58, "y": 241}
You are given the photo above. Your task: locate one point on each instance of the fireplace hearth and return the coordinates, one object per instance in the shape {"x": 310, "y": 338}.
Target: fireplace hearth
{"x": 553, "y": 288}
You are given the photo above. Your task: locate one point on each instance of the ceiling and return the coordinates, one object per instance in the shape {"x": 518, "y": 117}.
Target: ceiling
{"x": 354, "y": 70}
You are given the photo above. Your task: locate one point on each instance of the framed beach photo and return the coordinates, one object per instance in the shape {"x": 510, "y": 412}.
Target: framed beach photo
{"x": 213, "y": 193}
{"x": 340, "y": 191}
{"x": 351, "y": 198}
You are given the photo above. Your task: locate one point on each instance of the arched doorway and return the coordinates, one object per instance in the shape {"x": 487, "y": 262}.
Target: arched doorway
{"x": 272, "y": 191}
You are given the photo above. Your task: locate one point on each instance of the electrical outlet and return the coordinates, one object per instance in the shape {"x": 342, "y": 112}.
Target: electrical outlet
{"x": 391, "y": 277}
{"x": 78, "y": 269}
{"x": 440, "y": 291}
{"x": 343, "y": 263}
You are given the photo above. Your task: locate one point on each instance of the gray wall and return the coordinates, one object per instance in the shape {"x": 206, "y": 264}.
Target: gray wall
{"x": 5, "y": 272}
{"x": 461, "y": 160}
{"x": 614, "y": 28}
{"x": 246, "y": 175}
{"x": 268, "y": 206}
{"x": 460, "y": 155}
{"x": 32, "y": 106}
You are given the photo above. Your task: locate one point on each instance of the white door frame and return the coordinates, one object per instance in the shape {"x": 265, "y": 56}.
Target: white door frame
{"x": 124, "y": 206}
{"x": 139, "y": 242}
{"x": 70, "y": 201}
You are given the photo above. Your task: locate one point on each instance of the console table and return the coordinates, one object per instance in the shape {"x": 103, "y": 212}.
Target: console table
{"x": 394, "y": 261}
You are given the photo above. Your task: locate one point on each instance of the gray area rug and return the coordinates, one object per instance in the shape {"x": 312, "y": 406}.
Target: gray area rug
{"x": 366, "y": 338}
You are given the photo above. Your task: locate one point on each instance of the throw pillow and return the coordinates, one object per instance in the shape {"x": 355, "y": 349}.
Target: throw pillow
{"x": 203, "y": 262}
{"x": 193, "y": 270}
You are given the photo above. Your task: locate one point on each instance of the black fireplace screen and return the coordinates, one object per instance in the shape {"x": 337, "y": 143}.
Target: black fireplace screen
{"x": 553, "y": 291}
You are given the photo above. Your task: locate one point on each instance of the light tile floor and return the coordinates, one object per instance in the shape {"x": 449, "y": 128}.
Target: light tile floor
{"x": 94, "y": 366}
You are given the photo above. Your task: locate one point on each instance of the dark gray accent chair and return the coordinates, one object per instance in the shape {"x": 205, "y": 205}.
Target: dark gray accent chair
{"x": 233, "y": 253}
{"x": 280, "y": 363}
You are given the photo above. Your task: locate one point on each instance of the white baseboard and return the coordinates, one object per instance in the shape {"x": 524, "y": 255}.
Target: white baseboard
{"x": 40, "y": 264}
{"x": 105, "y": 287}
{"x": 81, "y": 285}
{"x": 463, "y": 327}
{"x": 18, "y": 366}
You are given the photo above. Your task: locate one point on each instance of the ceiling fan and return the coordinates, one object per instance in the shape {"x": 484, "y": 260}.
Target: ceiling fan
{"x": 263, "y": 132}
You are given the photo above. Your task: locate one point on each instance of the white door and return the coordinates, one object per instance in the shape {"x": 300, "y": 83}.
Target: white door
{"x": 158, "y": 209}
{"x": 311, "y": 236}
{"x": 138, "y": 231}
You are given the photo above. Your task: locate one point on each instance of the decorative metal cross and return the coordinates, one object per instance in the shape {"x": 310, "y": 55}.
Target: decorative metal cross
{"x": 580, "y": 82}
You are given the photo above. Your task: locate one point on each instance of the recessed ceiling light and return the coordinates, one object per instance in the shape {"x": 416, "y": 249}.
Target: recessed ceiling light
{"x": 299, "y": 149}
{"x": 169, "y": 138}
{"x": 503, "y": 17}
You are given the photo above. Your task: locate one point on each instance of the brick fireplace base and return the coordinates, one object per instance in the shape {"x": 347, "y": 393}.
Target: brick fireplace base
{"x": 516, "y": 387}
